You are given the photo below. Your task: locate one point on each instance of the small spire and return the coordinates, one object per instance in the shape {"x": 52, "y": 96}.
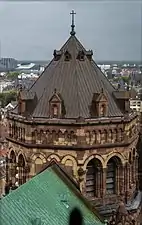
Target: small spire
{"x": 72, "y": 25}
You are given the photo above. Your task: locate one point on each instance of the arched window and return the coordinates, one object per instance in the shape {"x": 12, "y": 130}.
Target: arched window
{"x": 33, "y": 137}
{"x": 48, "y": 137}
{"x": 110, "y": 135}
{"x": 105, "y": 136}
{"x": 16, "y": 132}
{"x": 120, "y": 135}
{"x": 55, "y": 111}
{"x": 99, "y": 136}
{"x": 21, "y": 170}
{"x": 114, "y": 135}
{"x": 41, "y": 136}
{"x": 111, "y": 177}
{"x": 12, "y": 167}
{"x": 12, "y": 157}
{"x": 66, "y": 136}
{"x": 60, "y": 135}
{"x": 94, "y": 137}
{"x": 91, "y": 180}
{"x": 23, "y": 134}
{"x": 10, "y": 130}
{"x": 54, "y": 136}
{"x": 20, "y": 133}
{"x": 92, "y": 176}
{"x": 130, "y": 157}
{"x": 103, "y": 110}
{"x": 38, "y": 165}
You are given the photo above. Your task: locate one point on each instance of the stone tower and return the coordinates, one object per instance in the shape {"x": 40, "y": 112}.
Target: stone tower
{"x": 74, "y": 116}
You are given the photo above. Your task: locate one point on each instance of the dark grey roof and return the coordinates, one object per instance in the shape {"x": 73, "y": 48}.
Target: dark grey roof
{"x": 27, "y": 95}
{"x": 76, "y": 81}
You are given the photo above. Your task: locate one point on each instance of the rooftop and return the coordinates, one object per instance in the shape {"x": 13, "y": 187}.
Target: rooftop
{"x": 47, "y": 198}
{"x": 76, "y": 78}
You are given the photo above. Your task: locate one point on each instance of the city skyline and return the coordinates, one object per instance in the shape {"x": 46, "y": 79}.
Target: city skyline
{"x": 111, "y": 29}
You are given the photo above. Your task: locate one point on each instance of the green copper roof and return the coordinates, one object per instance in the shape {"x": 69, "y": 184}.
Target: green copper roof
{"x": 47, "y": 199}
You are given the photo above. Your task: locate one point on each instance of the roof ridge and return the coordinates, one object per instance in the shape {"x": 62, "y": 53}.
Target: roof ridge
{"x": 103, "y": 74}
{"x": 77, "y": 192}
{"x": 49, "y": 63}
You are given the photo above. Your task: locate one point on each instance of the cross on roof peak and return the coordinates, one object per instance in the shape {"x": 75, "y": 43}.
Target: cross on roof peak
{"x": 72, "y": 24}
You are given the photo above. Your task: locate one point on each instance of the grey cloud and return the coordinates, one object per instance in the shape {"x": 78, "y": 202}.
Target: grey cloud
{"x": 32, "y": 30}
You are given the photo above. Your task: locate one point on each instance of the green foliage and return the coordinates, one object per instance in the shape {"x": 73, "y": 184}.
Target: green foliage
{"x": 7, "y": 97}
{"x": 12, "y": 75}
{"x": 125, "y": 79}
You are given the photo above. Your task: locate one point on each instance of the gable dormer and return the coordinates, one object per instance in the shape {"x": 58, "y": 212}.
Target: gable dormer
{"x": 122, "y": 98}
{"x": 81, "y": 55}
{"x": 67, "y": 56}
{"x": 57, "y": 55}
{"x": 56, "y": 106}
{"x": 26, "y": 102}
{"x": 99, "y": 107}
{"x": 89, "y": 54}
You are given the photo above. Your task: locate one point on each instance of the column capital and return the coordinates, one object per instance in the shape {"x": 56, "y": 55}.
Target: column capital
{"x": 127, "y": 164}
{"x": 104, "y": 169}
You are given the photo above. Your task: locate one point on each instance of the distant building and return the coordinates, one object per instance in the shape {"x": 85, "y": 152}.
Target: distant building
{"x": 5, "y": 85}
{"x": 136, "y": 104}
{"x": 24, "y": 67}
{"x": 7, "y": 64}
{"x": 10, "y": 105}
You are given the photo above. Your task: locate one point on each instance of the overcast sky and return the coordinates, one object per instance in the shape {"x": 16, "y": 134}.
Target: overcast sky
{"x": 32, "y": 30}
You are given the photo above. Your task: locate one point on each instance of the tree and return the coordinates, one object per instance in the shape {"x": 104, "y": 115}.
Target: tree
{"x": 125, "y": 79}
{"x": 7, "y": 97}
{"x": 12, "y": 75}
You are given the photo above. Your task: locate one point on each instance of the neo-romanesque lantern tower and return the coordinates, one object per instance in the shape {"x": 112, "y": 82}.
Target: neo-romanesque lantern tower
{"x": 72, "y": 115}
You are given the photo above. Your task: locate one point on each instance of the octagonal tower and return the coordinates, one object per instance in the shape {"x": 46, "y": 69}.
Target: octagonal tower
{"x": 74, "y": 116}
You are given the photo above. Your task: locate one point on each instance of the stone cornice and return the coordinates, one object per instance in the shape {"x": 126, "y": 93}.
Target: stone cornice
{"x": 74, "y": 122}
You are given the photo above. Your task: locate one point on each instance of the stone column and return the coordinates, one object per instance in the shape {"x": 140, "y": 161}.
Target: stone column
{"x": 121, "y": 180}
{"x": 31, "y": 169}
{"x": 82, "y": 180}
{"x": 19, "y": 174}
{"x": 26, "y": 171}
{"x": 127, "y": 169}
{"x": 99, "y": 182}
{"x": 130, "y": 176}
{"x": 117, "y": 180}
{"x": 103, "y": 182}
{"x": 13, "y": 173}
{"x": 133, "y": 172}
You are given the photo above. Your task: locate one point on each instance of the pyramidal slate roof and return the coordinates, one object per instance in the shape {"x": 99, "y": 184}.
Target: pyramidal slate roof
{"x": 76, "y": 81}
{"x": 48, "y": 198}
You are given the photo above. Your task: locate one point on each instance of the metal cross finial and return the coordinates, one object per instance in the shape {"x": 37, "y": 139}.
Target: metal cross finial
{"x": 72, "y": 25}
